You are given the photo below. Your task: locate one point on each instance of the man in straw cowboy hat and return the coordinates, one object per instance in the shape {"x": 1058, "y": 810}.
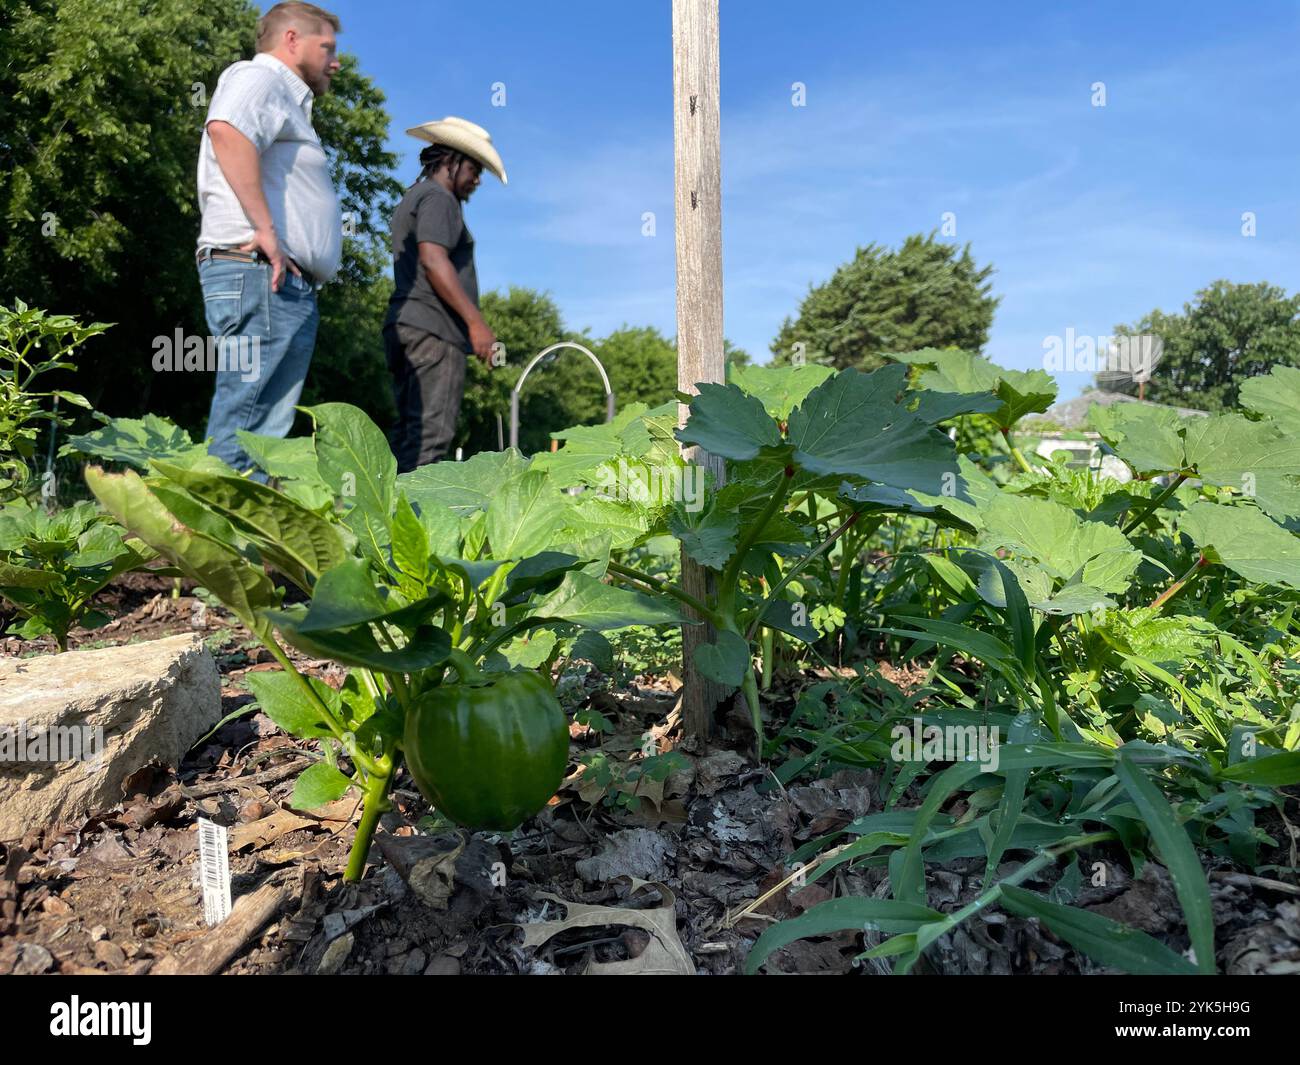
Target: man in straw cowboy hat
{"x": 433, "y": 319}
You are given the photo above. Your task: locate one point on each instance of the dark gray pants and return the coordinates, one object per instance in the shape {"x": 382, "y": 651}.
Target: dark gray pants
{"x": 428, "y": 385}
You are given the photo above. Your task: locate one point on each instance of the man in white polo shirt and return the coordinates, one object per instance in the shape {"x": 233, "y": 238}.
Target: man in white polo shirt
{"x": 271, "y": 232}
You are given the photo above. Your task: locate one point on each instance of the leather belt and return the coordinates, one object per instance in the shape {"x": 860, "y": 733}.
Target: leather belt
{"x": 235, "y": 255}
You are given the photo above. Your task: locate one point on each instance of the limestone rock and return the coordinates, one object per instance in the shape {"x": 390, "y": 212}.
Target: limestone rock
{"x": 74, "y": 726}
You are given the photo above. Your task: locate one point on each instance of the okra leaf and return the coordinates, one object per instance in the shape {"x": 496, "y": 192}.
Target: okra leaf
{"x": 1256, "y": 459}
{"x": 462, "y": 487}
{"x": 591, "y": 646}
{"x": 936, "y": 407}
{"x": 138, "y": 441}
{"x": 780, "y": 614}
{"x": 318, "y": 785}
{"x": 725, "y": 661}
{"x": 1275, "y": 396}
{"x": 708, "y": 536}
{"x": 857, "y": 424}
{"x": 726, "y": 422}
{"x": 779, "y": 388}
{"x": 1249, "y": 543}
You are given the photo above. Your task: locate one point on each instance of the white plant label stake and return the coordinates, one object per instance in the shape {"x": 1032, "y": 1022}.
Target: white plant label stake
{"x": 214, "y": 871}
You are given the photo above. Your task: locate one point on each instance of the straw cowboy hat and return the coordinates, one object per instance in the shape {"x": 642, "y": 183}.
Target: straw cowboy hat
{"x": 465, "y": 137}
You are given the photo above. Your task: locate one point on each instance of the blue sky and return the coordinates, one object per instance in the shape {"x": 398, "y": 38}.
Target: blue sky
{"x": 1092, "y": 216}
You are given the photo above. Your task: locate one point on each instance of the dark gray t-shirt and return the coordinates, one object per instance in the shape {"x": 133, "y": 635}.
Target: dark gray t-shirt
{"x": 428, "y": 212}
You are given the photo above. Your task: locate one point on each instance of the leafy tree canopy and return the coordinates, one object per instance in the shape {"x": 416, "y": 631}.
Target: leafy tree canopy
{"x": 927, "y": 294}
{"x": 101, "y": 110}
{"x": 1227, "y": 335}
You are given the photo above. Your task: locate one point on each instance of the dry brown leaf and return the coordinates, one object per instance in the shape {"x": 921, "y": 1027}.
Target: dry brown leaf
{"x": 664, "y": 955}
{"x": 266, "y": 831}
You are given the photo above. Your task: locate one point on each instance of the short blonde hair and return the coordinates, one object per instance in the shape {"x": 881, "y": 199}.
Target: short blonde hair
{"x": 305, "y": 17}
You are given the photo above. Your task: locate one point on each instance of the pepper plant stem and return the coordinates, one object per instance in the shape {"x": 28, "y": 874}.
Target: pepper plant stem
{"x": 374, "y": 804}
{"x": 1154, "y": 505}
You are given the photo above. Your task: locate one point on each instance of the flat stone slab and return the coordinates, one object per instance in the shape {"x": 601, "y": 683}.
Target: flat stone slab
{"x": 74, "y": 726}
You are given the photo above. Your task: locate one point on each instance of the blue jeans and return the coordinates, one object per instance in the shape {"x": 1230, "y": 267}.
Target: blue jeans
{"x": 279, "y": 328}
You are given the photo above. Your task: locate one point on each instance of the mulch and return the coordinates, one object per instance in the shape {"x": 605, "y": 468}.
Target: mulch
{"x": 586, "y": 886}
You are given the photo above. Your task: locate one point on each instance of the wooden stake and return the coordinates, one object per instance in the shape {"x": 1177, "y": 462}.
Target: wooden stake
{"x": 697, "y": 174}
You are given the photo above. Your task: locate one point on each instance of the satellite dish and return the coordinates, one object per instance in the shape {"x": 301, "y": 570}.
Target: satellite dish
{"x": 1132, "y": 359}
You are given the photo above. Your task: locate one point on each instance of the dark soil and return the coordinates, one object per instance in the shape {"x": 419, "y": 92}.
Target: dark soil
{"x": 119, "y": 892}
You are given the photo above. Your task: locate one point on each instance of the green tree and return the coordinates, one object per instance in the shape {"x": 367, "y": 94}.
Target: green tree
{"x": 927, "y": 294}
{"x": 1227, "y": 334}
{"x": 101, "y": 109}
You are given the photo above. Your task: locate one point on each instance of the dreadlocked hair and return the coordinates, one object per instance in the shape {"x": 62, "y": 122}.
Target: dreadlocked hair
{"x": 435, "y": 156}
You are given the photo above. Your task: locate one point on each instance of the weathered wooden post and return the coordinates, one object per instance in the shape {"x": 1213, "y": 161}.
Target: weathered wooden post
{"x": 697, "y": 174}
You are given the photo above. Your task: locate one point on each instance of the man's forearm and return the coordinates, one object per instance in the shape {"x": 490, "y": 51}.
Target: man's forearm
{"x": 242, "y": 167}
{"x": 442, "y": 276}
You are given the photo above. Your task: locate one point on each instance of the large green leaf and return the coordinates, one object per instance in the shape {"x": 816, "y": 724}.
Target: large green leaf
{"x": 22, "y": 577}
{"x": 318, "y": 785}
{"x": 138, "y": 441}
{"x": 708, "y": 536}
{"x": 595, "y": 605}
{"x": 243, "y": 588}
{"x": 462, "y": 487}
{"x": 287, "y": 458}
{"x": 298, "y": 542}
{"x": 357, "y": 466}
{"x": 966, "y": 497}
{"x": 727, "y": 422}
{"x": 1253, "y": 458}
{"x": 524, "y": 515}
{"x": 779, "y": 388}
{"x": 1018, "y": 392}
{"x": 724, "y": 661}
{"x": 541, "y": 573}
{"x": 589, "y": 517}
{"x": 428, "y": 646}
{"x": 1102, "y": 939}
{"x": 1276, "y": 396}
{"x": 284, "y": 700}
{"x": 410, "y": 541}
{"x": 858, "y": 424}
{"x": 1068, "y": 548}
{"x": 1246, "y": 541}
{"x": 1147, "y": 437}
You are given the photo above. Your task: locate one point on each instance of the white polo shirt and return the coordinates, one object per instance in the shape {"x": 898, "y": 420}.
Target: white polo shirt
{"x": 271, "y": 105}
